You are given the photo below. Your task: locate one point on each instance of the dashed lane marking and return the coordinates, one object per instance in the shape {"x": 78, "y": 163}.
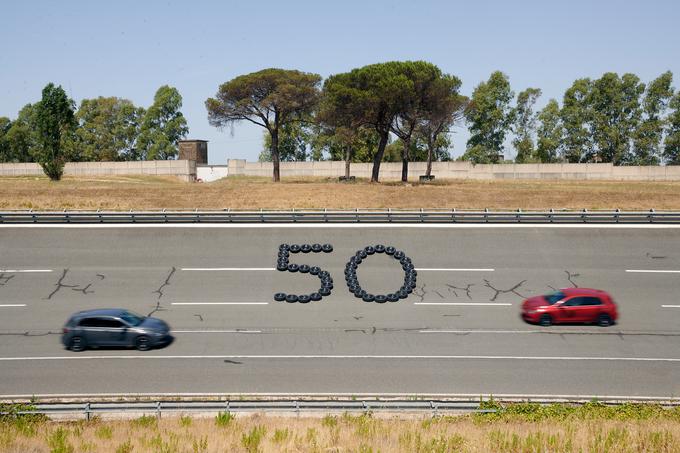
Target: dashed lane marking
{"x": 12, "y": 305}
{"x": 472, "y": 304}
{"x": 23, "y": 271}
{"x": 212, "y": 269}
{"x": 653, "y": 271}
{"x": 220, "y": 303}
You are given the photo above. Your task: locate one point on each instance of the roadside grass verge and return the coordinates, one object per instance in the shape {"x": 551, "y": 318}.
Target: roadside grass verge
{"x": 522, "y": 427}
{"x": 149, "y": 192}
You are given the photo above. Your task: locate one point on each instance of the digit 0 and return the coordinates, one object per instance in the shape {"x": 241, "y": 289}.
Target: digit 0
{"x": 410, "y": 274}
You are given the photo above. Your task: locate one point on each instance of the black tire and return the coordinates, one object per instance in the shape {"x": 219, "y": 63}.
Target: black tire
{"x": 545, "y": 321}
{"x": 403, "y": 294}
{"x": 368, "y": 297}
{"x": 381, "y": 298}
{"x": 77, "y": 344}
{"x": 314, "y": 270}
{"x": 399, "y": 254}
{"x": 305, "y": 248}
{"x": 327, "y": 248}
{"x": 393, "y": 297}
{"x": 291, "y": 298}
{"x": 379, "y": 248}
{"x": 604, "y": 320}
{"x": 370, "y": 250}
{"x": 315, "y": 296}
{"x": 304, "y": 268}
{"x": 390, "y": 250}
{"x": 325, "y": 291}
{"x": 293, "y": 267}
{"x": 282, "y": 267}
{"x": 316, "y": 248}
{"x": 304, "y": 299}
{"x": 294, "y": 248}
{"x": 285, "y": 247}
{"x": 142, "y": 343}
{"x": 280, "y": 297}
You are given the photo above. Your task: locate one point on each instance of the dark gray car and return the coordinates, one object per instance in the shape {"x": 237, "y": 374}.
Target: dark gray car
{"x": 114, "y": 327}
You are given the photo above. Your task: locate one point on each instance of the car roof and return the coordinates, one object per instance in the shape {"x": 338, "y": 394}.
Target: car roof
{"x": 100, "y": 312}
{"x": 582, "y": 292}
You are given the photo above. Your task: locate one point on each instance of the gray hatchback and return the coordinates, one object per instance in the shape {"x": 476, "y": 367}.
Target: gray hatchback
{"x": 114, "y": 327}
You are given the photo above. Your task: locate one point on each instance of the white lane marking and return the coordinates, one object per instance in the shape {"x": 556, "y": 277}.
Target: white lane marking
{"x": 473, "y": 304}
{"x": 670, "y": 306}
{"x": 23, "y": 271}
{"x": 220, "y": 303}
{"x": 216, "y": 331}
{"x": 343, "y": 357}
{"x": 209, "y": 269}
{"x": 452, "y": 270}
{"x": 12, "y": 305}
{"x": 483, "y": 331}
{"x": 652, "y": 226}
{"x": 652, "y": 271}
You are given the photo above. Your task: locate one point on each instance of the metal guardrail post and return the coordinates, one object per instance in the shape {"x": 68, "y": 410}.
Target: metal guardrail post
{"x": 486, "y": 215}
{"x": 87, "y": 412}
{"x": 616, "y": 215}
{"x": 158, "y": 410}
{"x": 519, "y": 215}
{"x": 550, "y": 216}
{"x": 584, "y": 216}
{"x": 651, "y": 215}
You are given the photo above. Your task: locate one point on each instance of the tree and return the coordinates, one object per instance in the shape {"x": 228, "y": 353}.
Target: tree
{"x": 444, "y": 107}
{"x": 671, "y": 152}
{"x": 270, "y": 98}
{"x": 372, "y": 96}
{"x": 648, "y": 137}
{"x": 293, "y": 144}
{"x": 525, "y": 125}
{"x": 615, "y": 115}
{"x": 55, "y": 120}
{"x": 108, "y": 129}
{"x": 489, "y": 119}
{"x": 5, "y": 125}
{"x": 20, "y": 139}
{"x": 575, "y": 117}
{"x": 549, "y": 133}
{"x": 162, "y": 126}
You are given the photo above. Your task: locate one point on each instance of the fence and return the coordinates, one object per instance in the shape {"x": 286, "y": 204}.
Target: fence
{"x": 382, "y": 216}
{"x": 463, "y": 170}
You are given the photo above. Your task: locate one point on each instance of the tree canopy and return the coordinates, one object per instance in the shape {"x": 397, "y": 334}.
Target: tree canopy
{"x": 163, "y": 126}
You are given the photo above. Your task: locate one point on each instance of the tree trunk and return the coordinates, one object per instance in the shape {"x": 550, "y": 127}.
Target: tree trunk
{"x": 404, "y": 160}
{"x": 275, "y": 154}
{"x": 348, "y": 159}
{"x": 384, "y": 136}
{"x": 429, "y": 160}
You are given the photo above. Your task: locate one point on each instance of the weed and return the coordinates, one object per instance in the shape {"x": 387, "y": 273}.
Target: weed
{"x": 185, "y": 420}
{"x": 329, "y": 421}
{"x": 58, "y": 441}
{"x": 200, "y": 445}
{"x": 104, "y": 432}
{"x": 125, "y": 447}
{"x": 223, "y": 418}
{"x": 251, "y": 441}
{"x": 145, "y": 421}
{"x": 280, "y": 435}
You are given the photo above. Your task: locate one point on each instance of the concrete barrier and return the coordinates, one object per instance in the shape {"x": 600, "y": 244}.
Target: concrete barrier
{"x": 391, "y": 171}
{"x": 183, "y": 169}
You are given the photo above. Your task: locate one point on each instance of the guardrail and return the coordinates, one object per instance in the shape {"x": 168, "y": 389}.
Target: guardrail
{"x": 159, "y": 408}
{"x": 340, "y": 216}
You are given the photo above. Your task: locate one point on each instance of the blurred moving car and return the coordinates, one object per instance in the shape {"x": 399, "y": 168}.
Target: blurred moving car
{"x": 571, "y": 305}
{"x": 114, "y": 327}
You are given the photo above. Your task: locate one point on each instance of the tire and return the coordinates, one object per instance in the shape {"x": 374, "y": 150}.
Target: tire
{"x": 368, "y": 298}
{"x": 399, "y": 254}
{"x": 280, "y": 297}
{"x": 370, "y": 250}
{"x": 393, "y": 297}
{"x": 77, "y": 344}
{"x": 304, "y": 268}
{"x": 285, "y": 247}
{"x": 281, "y": 267}
{"x": 291, "y": 298}
{"x": 314, "y": 270}
{"x": 604, "y": 320}
{"x": 315, "y": 296}
{"x": 142, "y": 343}
{"x": 324, "y": 291}
{"x": 390, "y": 250}
{"x": 327, "y": 248}
{"x": 294, "y": 248}
{"x": 293, "y": 267}
{"x": 304, "y": 299}
{"x": 305, "y": 248}
{"x": 316, "y": 248}
{"x": 545, "y": 321}
{"x": 379, "y": 248}
{"x": 381, "y": 298}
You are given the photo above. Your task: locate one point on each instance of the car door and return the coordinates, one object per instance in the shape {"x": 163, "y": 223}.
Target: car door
{"x": 116, "y": 332}
{"x": 570, "y": 310}
{"x": 591, "y": 308}
{"x": 93, "y": 330}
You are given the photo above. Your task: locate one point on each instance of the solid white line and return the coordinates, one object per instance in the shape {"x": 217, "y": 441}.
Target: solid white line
{"x": 217, "y": 331}
{"x": 23, "y": 271}
{"x": 343, "y": 357}
{"x": 347, "y": 225}
{"x": 652, "y": 271}
{"x": 453, "y": 270}
{"x": 12, "y": 305}
{"x": 208, "y": 269}
{"x": 220, "y": 303}
{"x": 474, "y": 304}
{"x": 670, "y": 306}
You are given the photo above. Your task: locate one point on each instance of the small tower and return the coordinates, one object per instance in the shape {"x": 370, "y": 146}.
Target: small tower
{"x": 196, "y": 150}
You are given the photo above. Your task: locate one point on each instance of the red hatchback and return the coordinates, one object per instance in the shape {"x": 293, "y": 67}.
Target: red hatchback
{"x": 571, "y": 305}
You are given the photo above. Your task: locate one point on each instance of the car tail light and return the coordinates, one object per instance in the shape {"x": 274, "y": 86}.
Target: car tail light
{"x": 64, "y": 330}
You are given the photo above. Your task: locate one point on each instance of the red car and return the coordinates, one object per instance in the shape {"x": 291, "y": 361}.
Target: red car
{"x": 571, "y": 305}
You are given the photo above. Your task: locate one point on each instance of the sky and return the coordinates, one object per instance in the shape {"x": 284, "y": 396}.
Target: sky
{"x": 131, "y": 48}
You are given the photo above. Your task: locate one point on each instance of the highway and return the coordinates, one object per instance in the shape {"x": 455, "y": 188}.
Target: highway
{"x": 458, "y": 333}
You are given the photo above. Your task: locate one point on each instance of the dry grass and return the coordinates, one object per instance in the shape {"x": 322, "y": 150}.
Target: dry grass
{"x": 346, "y": 433}
{"x": 253, "y": 193}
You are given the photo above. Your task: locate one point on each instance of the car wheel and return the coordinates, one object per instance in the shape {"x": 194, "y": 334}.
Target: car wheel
{"x": 142, "y": 343}
{"x": 604, "y": 320}
{"x": 77, "y": 344}
{"x": 545, "y": 320}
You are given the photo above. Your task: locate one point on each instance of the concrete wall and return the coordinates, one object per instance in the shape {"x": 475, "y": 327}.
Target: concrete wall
{"x": 209, "y": 173}
{"x": 183, "y": 169}
{"x": 461, "y": 170}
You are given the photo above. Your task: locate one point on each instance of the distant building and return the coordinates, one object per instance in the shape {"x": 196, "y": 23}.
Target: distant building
{"x": 196, "y": 150}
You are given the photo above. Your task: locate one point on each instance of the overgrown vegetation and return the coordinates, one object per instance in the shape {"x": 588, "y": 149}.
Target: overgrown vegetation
{"x": 520, "y": 427}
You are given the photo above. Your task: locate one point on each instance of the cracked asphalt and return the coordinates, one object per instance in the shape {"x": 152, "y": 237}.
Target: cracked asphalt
{"x": 397, "y": 347}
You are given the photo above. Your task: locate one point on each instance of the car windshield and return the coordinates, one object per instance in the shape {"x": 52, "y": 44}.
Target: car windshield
{"x": 554, "y": 297}
{"x": 132, "y": 319}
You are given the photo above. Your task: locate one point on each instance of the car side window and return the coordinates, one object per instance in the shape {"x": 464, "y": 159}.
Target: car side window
{"x": 574, "y": 302}
{"x": 591, "y": 301}
{"x": 92, "y": 322}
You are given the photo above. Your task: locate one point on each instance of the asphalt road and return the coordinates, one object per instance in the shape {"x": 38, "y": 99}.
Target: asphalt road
{"x": 458, "y": 333}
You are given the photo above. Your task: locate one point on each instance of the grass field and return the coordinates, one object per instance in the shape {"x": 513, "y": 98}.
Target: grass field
{"x": 124, "y": 193}
{"x": 518, "y": 428}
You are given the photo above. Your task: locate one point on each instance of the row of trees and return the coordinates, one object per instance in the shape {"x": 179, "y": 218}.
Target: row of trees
{"x": 355, "y": 116}
{"x": 53, "y": 132}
